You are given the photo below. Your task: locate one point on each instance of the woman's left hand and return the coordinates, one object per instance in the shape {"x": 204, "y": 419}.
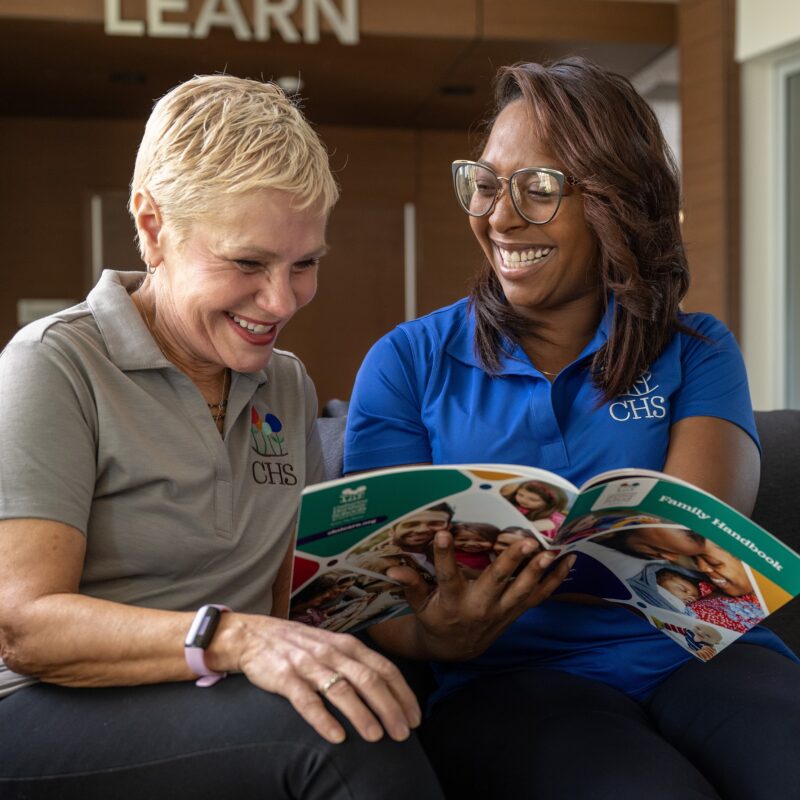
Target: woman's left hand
{"x": 460, "y": 618}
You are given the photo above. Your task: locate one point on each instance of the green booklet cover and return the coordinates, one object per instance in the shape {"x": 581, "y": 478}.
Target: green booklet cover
{"x": 678, "y": 557}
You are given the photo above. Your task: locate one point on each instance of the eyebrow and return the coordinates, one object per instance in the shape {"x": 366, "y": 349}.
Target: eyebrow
{"x": 261, "y": 253}
{"x": 493, "y": 168}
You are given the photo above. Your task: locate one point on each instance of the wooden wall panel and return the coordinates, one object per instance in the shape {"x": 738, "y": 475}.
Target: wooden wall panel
{"x": 534, "y": 20}
{"x": 447, "y": 251}
{"x": 710, "y": 135}
{"x": 360, "y": 293}
{"x": 53, "y": 165}
{"x": 581, "y": 20}
{"x": 49, "y": 167}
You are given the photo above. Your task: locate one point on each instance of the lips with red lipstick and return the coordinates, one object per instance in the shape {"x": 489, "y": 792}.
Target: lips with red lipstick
{"x": 253, "y": 331}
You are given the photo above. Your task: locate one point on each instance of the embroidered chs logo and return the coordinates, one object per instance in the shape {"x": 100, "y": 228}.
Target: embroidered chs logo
{"x": 266, "y": 434}
{"x": 639, "y": 402}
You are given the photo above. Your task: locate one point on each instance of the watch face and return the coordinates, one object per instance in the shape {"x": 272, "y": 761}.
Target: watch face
{"x": 203, "y": 627}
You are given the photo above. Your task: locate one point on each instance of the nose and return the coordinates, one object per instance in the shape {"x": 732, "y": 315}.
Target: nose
{"x": 276, "y": 296}
{"x": 504, "y": 215}
{"x": 703, "y": 565}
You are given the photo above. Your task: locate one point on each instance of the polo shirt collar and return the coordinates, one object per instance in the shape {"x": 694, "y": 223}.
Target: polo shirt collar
{"x": 461, "y": 344}
{"x": 128, "y": 341}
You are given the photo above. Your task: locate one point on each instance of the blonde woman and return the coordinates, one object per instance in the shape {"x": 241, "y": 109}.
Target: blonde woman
{"x": 154, "y": 448}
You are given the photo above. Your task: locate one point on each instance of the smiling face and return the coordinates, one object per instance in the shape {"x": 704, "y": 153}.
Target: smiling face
{"x": 529, "y": 498}
{"x": 224, "y": 291}
{"x": 508, "y": 536}
{"x": 419, "y": 529}
{"x": 539, "y": 266}
{"x": 469, "y": 541}
{"x": 705, "y": 634}
{"x": 725, "y": 571}
{"x": 667, "y": 543}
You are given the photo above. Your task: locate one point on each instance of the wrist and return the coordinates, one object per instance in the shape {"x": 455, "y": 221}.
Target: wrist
{"x": 198, "y": 639}
{"x": 449, "y": 643}
{"x": 226, "y": 648}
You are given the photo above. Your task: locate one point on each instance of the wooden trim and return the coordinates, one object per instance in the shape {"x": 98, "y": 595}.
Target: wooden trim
{"x": 506, "y": 20}
{"x": 710, "y": 155}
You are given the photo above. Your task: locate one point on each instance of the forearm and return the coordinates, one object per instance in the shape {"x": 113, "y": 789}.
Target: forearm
{"x": 717, "y": 456}
{"x": 407, "y": 637}
{"x": 76, "y": 640}
{"x": 281, "y": 589}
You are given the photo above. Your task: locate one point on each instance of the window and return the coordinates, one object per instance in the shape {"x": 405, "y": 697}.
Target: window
{"x": 792, "y": 233}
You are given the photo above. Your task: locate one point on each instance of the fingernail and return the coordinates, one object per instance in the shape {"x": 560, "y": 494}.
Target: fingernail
{"x": 373, "y": 733}
{"x": 528, "y": 548}
{"x": 546, "y": 559}
{"x": 571, "y": 560}
{"x": 336, "y": 735}
{"x": 441, "y": 539}
{"x": 401, "y": 733}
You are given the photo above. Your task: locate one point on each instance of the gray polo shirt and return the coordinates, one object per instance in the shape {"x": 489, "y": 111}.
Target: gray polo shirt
{"x": 103, "y": 433}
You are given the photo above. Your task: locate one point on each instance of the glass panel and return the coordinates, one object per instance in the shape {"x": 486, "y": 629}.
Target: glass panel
{"x": 793, "y": 240}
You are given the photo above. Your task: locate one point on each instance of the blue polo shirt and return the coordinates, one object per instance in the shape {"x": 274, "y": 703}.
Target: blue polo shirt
{"x": 421, "y": 396}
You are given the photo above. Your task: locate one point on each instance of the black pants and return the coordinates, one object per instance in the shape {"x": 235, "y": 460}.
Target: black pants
{"x": 729, "y": 728}
{"x": 175, "y": 741}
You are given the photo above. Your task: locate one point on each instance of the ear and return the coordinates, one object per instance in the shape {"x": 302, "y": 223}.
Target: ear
{"x": 149, "y": 225}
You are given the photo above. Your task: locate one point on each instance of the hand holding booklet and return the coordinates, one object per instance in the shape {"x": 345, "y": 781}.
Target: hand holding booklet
{"x": 681, "y": 559}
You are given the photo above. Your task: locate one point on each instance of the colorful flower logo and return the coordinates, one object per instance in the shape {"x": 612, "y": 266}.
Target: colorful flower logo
{"x": 265, "y": 432}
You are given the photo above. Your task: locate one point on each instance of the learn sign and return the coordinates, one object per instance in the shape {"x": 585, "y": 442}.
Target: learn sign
{"x": 266, "y": 17}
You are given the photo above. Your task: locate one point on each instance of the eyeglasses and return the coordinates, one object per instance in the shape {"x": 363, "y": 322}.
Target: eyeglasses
{"x": 535, "y": 192}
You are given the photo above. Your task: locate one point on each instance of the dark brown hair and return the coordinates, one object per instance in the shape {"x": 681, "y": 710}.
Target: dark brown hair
{"x": 483, "y": 529}
{"x": 605, "y": 134}
{"x": 553, "y": 498}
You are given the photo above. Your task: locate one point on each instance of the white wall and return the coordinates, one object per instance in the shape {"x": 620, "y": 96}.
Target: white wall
{"x": 658, "y": 83}
{"x": 768, "y": 42}
{"x": 765, "y": 25}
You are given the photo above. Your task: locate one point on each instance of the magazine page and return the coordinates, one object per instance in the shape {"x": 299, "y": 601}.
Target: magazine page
{"x": 691, "y": 565}
{"x": 350, "y": 532}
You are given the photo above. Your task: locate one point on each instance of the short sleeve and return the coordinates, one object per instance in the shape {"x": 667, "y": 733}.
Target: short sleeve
{"x": 714, "y": 380}
{"x": 314, "y": 460}
{"x": 48, "y": 464}
{"x": 384, "y": 421}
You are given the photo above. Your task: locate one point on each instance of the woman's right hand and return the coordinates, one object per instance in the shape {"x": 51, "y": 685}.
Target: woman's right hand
{"x": 296, "y": 661}
{"x": 460, "y": 618}
{"x": 50, "y": 630}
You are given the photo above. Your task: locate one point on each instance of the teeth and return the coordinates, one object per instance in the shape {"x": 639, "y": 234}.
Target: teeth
{"x": 256, "y": 328}
{"x": 520, "y": 258}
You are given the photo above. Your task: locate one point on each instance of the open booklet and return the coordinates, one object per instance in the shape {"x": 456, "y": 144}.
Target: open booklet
{"x": 678, "y": 557}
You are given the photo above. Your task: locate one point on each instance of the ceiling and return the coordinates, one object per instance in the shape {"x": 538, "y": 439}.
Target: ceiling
{"x": 57, "y": 68}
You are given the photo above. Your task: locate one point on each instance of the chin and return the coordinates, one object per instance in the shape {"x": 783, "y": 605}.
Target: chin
{"x": 249, "y": 364}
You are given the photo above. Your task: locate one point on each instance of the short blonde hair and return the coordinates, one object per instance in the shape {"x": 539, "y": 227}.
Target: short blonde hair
{"x": 215, "y": 135}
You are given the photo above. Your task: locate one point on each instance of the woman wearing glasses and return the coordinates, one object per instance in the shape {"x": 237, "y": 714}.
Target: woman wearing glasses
{"x": 571, "y": 353}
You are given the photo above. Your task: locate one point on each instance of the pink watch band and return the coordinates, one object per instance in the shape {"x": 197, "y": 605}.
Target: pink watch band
{"x": 198, "y": 639}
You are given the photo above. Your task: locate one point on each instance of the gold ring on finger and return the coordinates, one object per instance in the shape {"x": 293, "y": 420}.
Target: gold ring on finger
{"x": 334, "y": 679}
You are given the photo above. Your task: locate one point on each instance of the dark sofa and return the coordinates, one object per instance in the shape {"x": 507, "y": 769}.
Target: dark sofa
{"x": 780, "y": 487}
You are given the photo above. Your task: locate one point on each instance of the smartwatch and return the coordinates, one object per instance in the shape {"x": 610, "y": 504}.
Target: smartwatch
{"x": 199, "y": 638}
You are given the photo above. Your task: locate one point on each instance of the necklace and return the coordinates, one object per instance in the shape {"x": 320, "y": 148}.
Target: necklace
{"x": 218, "y": 409}
{"x": 545, "y": 372}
